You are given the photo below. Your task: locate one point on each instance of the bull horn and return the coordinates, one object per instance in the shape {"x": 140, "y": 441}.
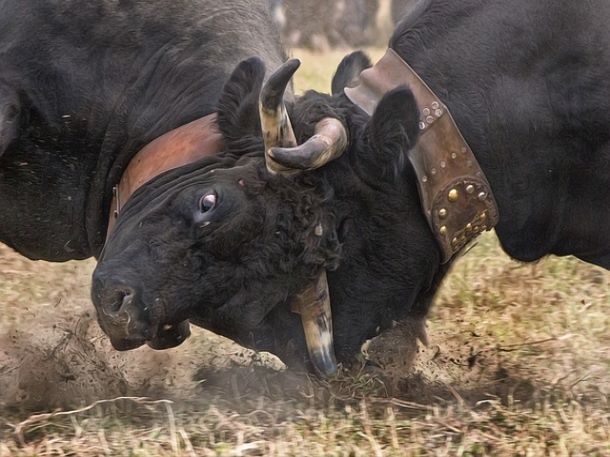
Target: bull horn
{"x": 313, "y": 304}
{"x": 328, "y": 143}
{"x": 275, "y": 123}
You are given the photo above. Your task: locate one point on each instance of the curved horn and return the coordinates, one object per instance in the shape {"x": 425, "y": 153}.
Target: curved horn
{"x": 275, "y": 124}
{"x": 328, "y": 143}
{"x": 313, "y": 304}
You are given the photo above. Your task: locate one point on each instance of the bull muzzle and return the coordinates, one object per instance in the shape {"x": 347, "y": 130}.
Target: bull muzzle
{"x": 127, "y": 321}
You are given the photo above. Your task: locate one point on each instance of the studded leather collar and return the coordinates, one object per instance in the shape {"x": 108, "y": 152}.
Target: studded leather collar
{"x": 456, "y": 197}
{"x": 181, "y": 146}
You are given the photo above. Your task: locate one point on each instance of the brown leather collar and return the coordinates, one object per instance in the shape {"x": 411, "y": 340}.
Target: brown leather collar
{"x": 176, "y": 148}
{"x": 456, "y": 197}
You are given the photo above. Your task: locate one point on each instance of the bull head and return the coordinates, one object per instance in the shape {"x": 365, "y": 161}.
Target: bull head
{"x": 284, "y": 156}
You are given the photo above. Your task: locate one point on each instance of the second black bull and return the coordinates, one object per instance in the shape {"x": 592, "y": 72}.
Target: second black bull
{"x": 245, "y": 240}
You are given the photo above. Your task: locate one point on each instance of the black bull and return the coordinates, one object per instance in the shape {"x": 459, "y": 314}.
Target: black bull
{"x": 526, "y": 83}
{"x": 84, "y": 85}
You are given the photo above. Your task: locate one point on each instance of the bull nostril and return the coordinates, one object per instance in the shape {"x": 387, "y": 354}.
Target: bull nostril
{"x": 118, "y": 299}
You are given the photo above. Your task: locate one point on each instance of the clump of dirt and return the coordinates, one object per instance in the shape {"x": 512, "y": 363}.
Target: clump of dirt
{"x": 72, "y": 363}
{"x": 46, "y": 366}
{"x": 461, "y": 366}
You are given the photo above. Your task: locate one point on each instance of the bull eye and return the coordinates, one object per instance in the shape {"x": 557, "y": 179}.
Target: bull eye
{"x": 207, "y": 202}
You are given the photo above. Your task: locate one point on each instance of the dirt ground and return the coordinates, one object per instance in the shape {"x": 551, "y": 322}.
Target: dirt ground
{"x": 508, "y": 346}
{"x": 518, "y": 364}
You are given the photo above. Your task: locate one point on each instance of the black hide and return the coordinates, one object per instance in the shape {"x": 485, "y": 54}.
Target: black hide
{"x": 84, "y": 85}
{"x": 10, "y": 110}
{"x": 533, "y": 101}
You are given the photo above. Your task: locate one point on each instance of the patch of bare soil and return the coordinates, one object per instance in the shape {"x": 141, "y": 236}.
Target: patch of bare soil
{"x": 460, "y": 366}
{"x": 58, "y": 362}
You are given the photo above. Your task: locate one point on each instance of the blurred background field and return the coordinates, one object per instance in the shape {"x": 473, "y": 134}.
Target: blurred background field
{"x": 518, "y": 364}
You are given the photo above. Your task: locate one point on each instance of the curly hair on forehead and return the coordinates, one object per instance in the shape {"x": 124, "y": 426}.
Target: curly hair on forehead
{"x": 313, "y": 106}
{"x": 304, "y": 218}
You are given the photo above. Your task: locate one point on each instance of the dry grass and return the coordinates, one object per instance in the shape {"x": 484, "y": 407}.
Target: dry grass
{"x": 519, "y": 364}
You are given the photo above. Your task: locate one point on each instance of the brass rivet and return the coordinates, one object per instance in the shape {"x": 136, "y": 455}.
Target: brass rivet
{"x": 433, "y": 171}
{"x": 443, "y": 164}
{"x": 453, "y": 195}
{"x": 429, "y": 119}
{"x": 442, "y": 213}
{"x": 426, "y": 111}
{"x": 454, "y": 241}
{"x": 438, "y": 112}
{"x": 470, "y": 188}
{"x": 435, "y": 105}
{"x": 424, "y": 179}
{"x": 453, "y": 155}
{"x": 482, "y": 196}
{"x": 422, "y": 125}
{"x": 443, "y": 230}
{"x": 469, "y": 226}
{"x": 483, "y": 216}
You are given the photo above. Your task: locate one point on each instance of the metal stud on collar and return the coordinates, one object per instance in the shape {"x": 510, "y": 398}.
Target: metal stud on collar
{"x": 458, "y": 227}
{"x": 430, "y": 114}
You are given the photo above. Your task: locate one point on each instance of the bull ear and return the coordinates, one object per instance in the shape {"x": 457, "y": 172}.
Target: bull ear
{"x": 348, "y": 71}
{"x": 238, "y": 117}
{"x": 391, "y": 132}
